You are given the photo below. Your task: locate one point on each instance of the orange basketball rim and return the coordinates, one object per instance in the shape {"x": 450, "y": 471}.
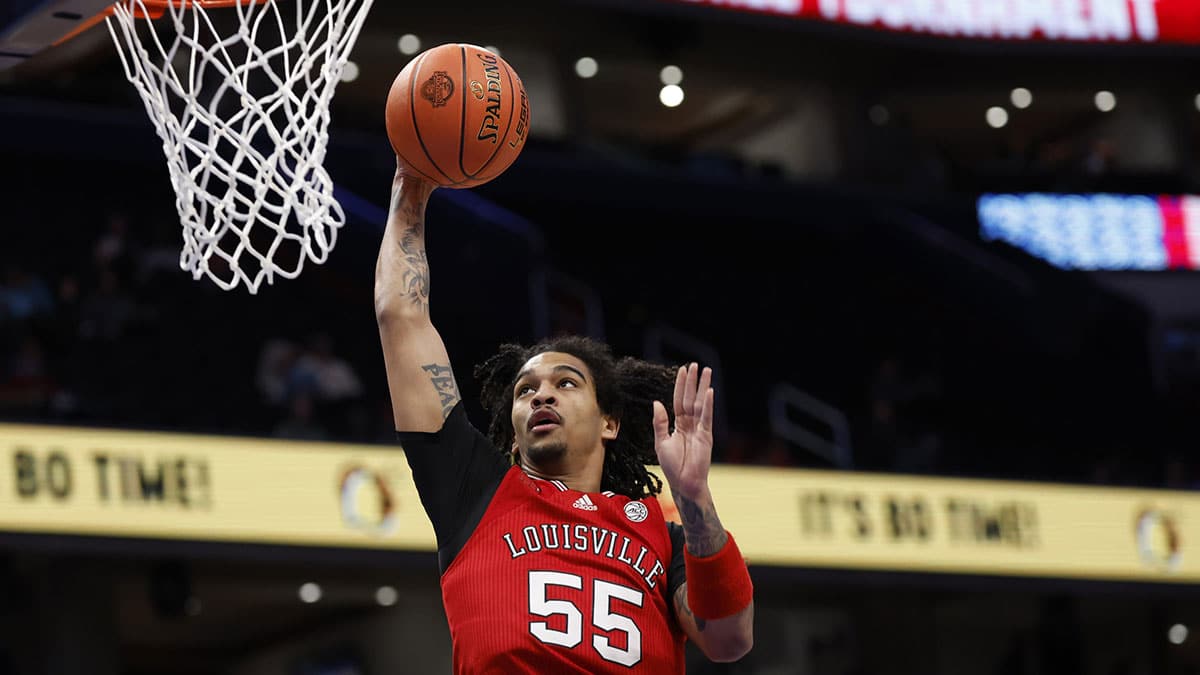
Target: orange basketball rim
{"x": 154, "y": 9}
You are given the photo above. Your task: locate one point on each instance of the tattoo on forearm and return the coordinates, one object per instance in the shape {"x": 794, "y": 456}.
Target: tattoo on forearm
{"x": 682, "y": 609}
{"x": 443, "y": 381}
{"x": 414, "y": 283}
{"x": 701, "y": 528}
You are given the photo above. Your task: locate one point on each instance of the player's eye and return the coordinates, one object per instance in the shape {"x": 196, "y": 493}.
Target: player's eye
{"x": 565, "y": 383}
{"x": 521, "y": 390}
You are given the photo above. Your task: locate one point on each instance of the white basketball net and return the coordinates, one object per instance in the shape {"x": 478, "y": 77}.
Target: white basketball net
{"x": 243, "y": 114}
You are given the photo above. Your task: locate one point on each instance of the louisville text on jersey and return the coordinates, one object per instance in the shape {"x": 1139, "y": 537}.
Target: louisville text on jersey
{"x": 588, "y": 539}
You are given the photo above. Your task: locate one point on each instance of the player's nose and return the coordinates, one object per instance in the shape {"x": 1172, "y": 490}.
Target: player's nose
{"x": 543, "y": 396}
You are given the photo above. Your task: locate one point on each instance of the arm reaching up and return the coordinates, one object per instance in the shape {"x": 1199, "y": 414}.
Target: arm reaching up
{"x": 715, "y": 605}
{"x": 421, "y": 382}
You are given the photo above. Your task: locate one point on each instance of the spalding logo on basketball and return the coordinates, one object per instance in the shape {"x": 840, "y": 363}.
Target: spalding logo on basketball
{"x": 452, "y": 138}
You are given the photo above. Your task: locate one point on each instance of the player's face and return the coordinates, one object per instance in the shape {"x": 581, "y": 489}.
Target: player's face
{"x": 555, "y": 414}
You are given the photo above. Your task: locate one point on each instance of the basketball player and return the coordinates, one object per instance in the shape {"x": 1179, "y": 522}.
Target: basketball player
{"x": 555, "y": 555}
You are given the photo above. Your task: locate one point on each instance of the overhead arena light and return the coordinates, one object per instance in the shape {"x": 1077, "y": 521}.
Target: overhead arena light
{"x": 671, "y": 95}
{"x": 586, "y": 67}
{"x": 310, "y": 592}
{"x": 997, "y": 117}
{"x": 409, "y": 44}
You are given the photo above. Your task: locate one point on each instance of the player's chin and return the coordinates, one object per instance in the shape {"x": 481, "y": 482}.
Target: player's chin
{"x": 539, "y": 451}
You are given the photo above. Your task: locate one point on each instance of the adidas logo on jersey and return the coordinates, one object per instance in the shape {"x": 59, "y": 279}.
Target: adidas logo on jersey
{"x": 584, "y": 503}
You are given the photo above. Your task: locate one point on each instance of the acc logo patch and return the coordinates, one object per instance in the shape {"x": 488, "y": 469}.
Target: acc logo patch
{"x": 366, "y": 501}
{"x": 636, "y": 511}
{"x": 438, "y": 89}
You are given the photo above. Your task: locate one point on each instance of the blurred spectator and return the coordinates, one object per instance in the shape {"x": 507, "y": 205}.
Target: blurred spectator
{"x": 886, "y": 393}
{"x": 24, "y": 295}
{"x": 905, "y": 432}
{"x": 26, "y": 385}
{"x": 331, "y": 390}
{"x": 1106, "y": 471}
{"x": 68, "y": 293}
{"x": 897, "y": 155}
{"x": 300, "y": 423}
{"x": 162, "y": 259}
{"x": 337, "y": 389}
{"x": 107, "y": 311}
{"x": 273, "y": 377}
{"x": 1099, "y": 158}
{"x": 1180, "y": 474}
{"x": 330, "y": 377}
{"x": 112, "y": 248}
{"x": 66, "y": 329}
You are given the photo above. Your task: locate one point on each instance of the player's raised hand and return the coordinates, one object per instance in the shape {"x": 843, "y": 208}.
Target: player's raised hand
{"x": 685, "y": 454}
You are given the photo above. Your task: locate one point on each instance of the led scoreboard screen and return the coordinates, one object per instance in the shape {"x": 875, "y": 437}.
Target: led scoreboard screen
{"x": 1097, "y": 231}
{"x": 1109, "y": 21}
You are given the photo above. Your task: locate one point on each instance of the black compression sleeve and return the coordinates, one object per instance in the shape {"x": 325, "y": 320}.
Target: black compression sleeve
{"x": 677, "y": 570}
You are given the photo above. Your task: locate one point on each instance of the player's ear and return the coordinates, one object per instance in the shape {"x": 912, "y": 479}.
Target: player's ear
{"x": 612, "y": 426}
{"x": 514, "y": 452}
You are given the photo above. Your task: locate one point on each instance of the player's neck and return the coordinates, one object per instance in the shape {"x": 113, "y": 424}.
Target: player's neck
{"x": 583, "y": 477}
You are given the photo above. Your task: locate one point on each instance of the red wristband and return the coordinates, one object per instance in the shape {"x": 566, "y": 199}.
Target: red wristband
{"x": 718, "y": 585}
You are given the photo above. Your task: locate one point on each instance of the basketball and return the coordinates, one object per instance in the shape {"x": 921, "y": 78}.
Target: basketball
{"x": 457, "y": 115}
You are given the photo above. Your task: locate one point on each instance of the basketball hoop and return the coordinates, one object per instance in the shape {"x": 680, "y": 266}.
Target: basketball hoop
{"x": 241, "y": 103}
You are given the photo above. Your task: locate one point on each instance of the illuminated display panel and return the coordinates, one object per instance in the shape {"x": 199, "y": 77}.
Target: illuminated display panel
{"x": 1121, "y": 21}
{"x": 1097, "y": 231}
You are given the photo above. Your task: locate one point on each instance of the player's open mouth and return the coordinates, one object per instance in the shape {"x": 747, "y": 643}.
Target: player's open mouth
{"x": 544, "y": 420}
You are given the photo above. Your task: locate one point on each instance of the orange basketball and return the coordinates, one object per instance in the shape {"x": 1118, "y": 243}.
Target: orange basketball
{"x": 457, "y": 115}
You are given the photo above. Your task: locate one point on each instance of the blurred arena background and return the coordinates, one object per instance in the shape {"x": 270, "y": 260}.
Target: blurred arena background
{"x": 948, "y": 289}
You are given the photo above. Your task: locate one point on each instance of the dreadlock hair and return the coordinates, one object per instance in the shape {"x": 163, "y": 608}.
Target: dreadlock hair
{"x": 625, "y": 389}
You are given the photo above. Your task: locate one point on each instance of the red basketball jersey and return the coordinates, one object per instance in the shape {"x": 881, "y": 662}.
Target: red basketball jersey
{"x": 554, "y": 580}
